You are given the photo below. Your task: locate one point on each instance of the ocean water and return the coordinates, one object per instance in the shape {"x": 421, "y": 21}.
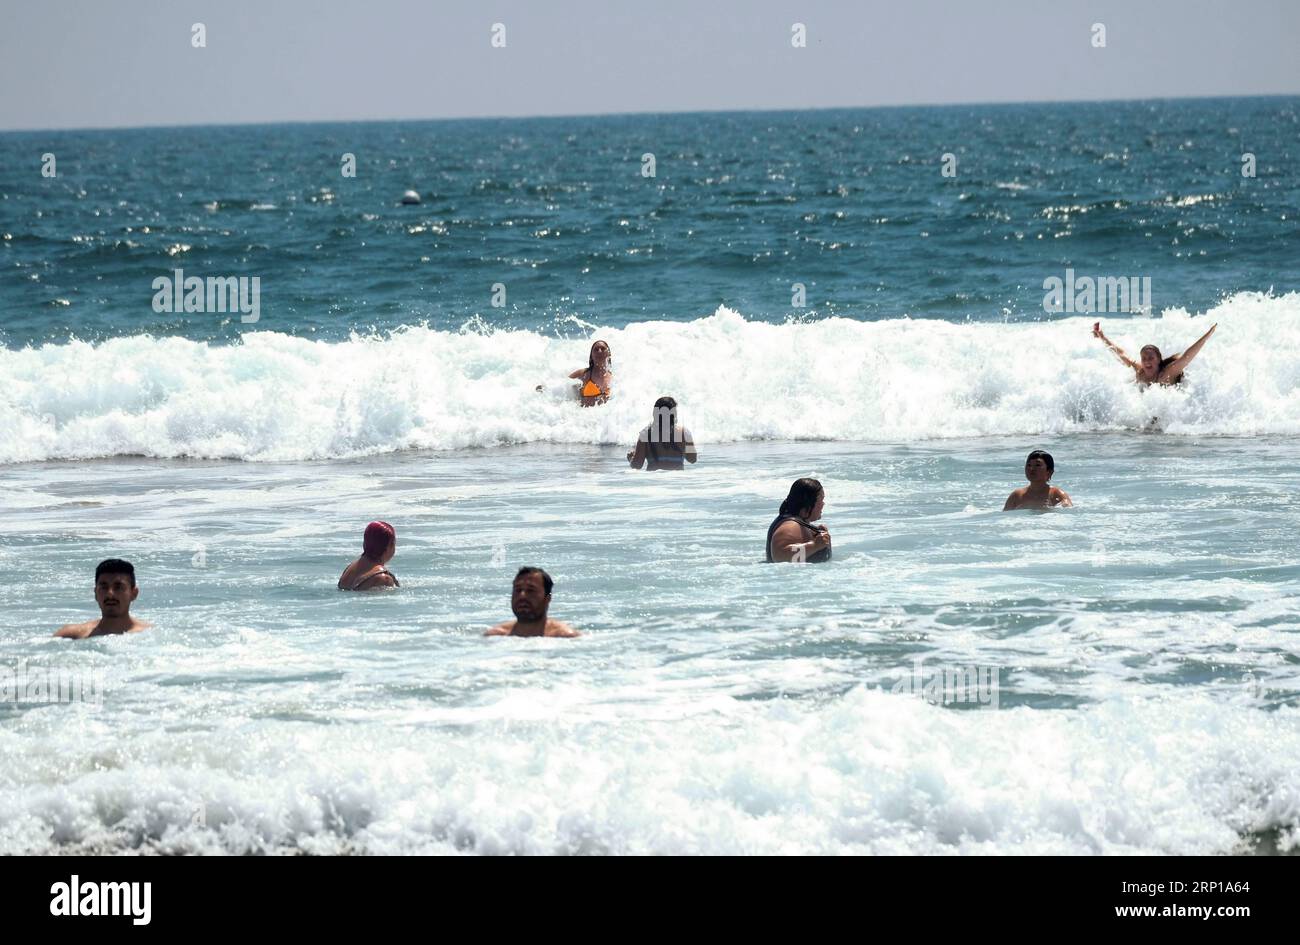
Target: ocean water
{"x": 851, "y": 204}
{"x": 1121, "y": 677}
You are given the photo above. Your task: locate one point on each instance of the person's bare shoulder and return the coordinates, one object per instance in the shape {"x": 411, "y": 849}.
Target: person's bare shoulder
{"x": 138, "y": 625}
{"x": 501, "y": 629}
{"x": 76, "y": 631}
{"x": 1061, "y": 497}
{"x": 1013, "y": 500}
{"x": 555, "y": 628}
{"x": 788, "y": 532}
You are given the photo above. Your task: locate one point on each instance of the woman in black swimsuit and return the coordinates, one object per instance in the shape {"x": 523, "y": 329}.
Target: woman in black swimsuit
{"x": 368, "y": 573}
{"x": 792, "y": 536}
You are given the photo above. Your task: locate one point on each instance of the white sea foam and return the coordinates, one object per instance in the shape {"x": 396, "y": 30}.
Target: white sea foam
{"x": 278, "y": 397}
{"x": 868, "y": 773}
{"x": 1148, "y": 695}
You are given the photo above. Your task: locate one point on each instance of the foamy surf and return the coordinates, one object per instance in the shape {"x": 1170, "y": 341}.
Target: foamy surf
{"x": 278, "y": 397}
{"x": 868, "y": 773}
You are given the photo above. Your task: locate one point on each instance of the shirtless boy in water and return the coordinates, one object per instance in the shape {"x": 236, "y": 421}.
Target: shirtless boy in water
{"x": 114, "y": 592}
{"x": 1038, "y": 494}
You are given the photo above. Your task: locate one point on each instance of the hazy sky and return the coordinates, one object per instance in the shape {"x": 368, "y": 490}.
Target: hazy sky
{"x": 106, "y": 63}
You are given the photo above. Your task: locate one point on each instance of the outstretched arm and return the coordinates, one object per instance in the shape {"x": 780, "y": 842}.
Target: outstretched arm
{"x": 1176, "y": 366}
{"x": 1119, "y": 352}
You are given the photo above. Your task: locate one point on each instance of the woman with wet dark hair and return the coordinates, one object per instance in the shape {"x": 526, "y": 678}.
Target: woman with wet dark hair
{"x": 792, "y": 536}
{"x": 596, "y": 377}
{"x": 663, "y": 444}
{"x": 1154, "y": 368}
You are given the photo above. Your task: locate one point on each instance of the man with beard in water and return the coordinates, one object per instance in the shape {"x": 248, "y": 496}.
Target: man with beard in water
{"x": 530, "y": 599}
{"x": 115, "y": 590}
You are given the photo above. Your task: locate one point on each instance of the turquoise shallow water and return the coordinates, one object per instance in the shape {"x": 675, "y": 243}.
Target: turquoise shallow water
{"x": 1147, "y": 680}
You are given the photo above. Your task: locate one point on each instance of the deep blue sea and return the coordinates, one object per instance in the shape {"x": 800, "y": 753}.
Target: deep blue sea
{"x": 1119, "y": 677}
{"x": 852, "y": 204}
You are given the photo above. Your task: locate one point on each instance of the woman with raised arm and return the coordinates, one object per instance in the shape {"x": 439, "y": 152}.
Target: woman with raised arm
{"x": 1155, "y": 369}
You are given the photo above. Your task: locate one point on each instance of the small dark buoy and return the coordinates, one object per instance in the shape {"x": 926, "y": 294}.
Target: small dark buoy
{"x": 410, "y": 197}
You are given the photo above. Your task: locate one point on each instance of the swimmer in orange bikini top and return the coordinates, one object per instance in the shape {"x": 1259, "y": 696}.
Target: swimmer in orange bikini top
{"x": 596, "y": 377}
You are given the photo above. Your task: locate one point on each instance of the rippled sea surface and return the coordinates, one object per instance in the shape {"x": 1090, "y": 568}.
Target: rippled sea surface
{"x": 1128, "y": 668}
{"x": 1120, "y": 677}
{"x": 852, "y": 204}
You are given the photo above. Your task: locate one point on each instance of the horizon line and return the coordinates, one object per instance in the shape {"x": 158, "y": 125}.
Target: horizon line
{"x": 647, "y": 113}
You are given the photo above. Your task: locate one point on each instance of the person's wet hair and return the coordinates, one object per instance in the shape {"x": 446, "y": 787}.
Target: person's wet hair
{"x": 377, "y": 538}
{"x": 547, "y": 583}
{"x": 665, "y": 409}
{"x": 1163, "y": 361}
{"x": 803, "y": 495}
{"x": 1045, "y": 456}
{"x": 115, "y": 566}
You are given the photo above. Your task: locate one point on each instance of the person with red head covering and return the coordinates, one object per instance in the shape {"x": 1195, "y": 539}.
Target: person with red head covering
{"x": 368, "y": 573}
